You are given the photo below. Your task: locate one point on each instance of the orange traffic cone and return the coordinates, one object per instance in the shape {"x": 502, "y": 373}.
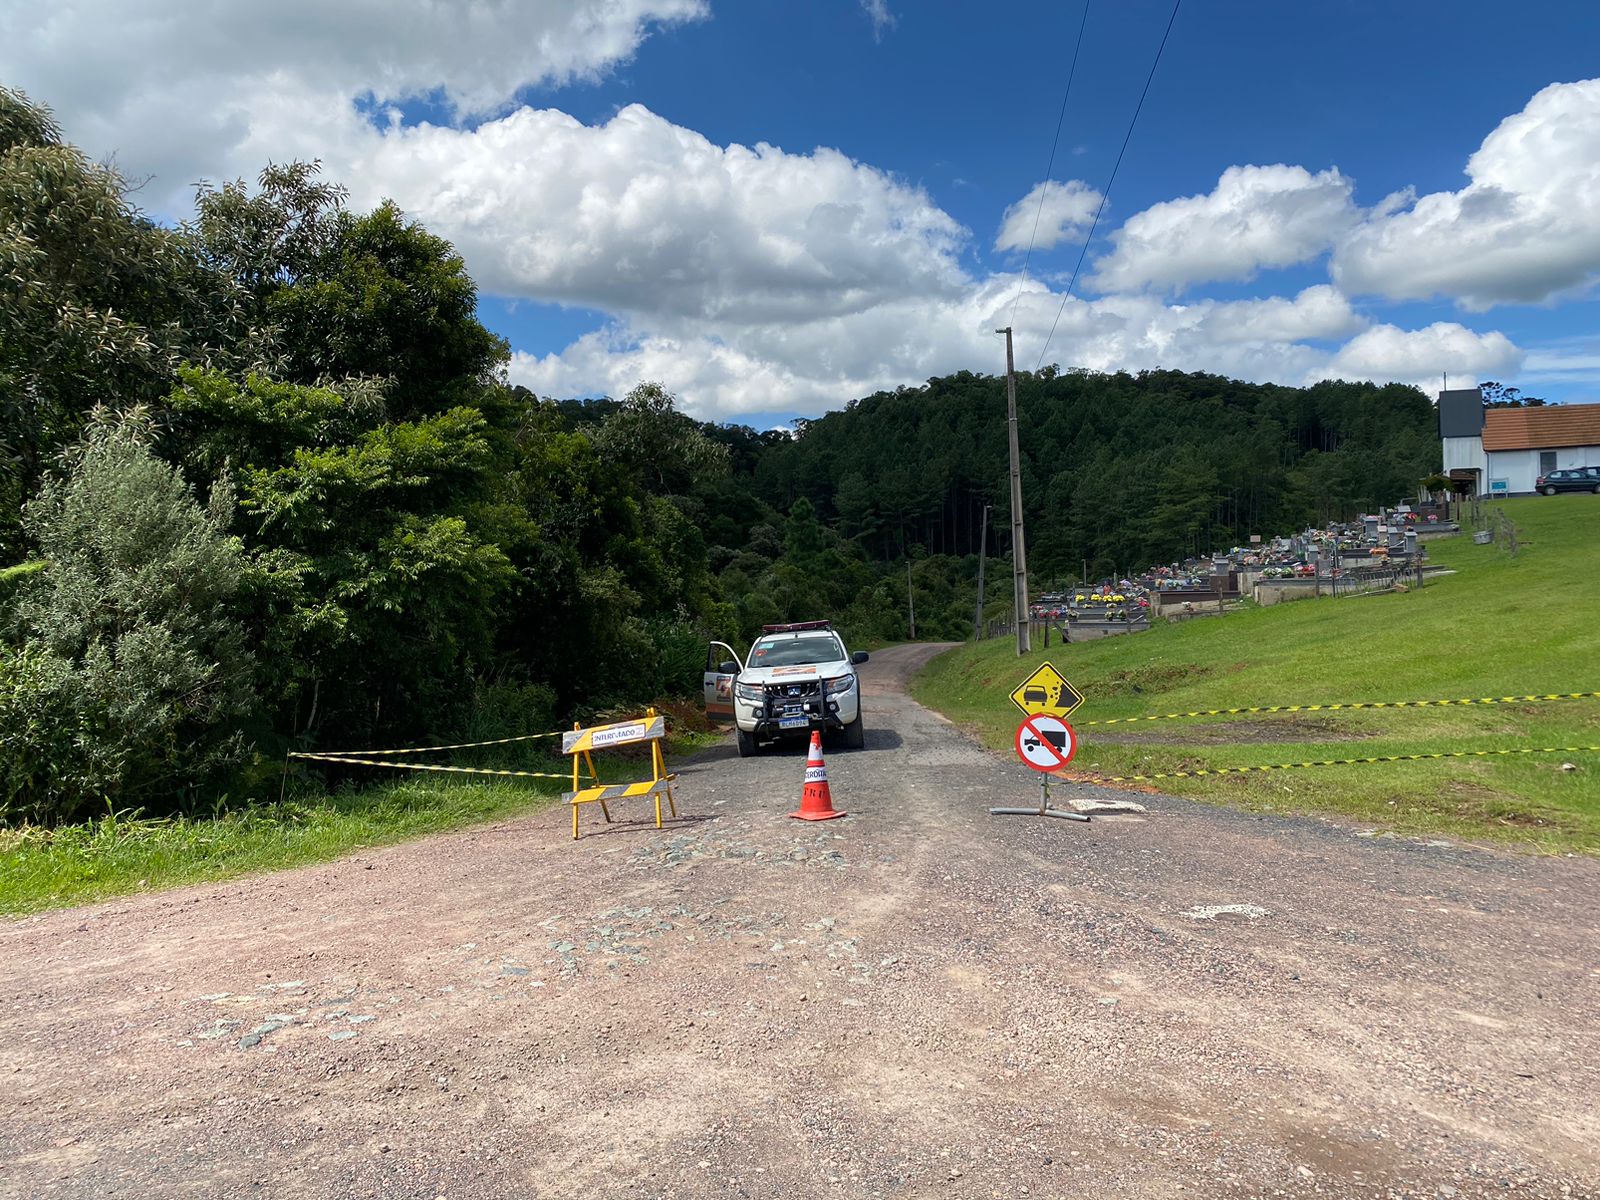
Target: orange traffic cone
{"x": 816, "y": 802}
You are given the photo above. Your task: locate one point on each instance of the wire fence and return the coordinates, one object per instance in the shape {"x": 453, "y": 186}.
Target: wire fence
{"x": 1502, "y": 530}
{"x": 1371, "y": 578}
{"x": 1042, "y": 631}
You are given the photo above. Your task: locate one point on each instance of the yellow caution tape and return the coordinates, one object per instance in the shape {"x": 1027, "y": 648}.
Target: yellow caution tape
{"x": 526, "y": 737}
{"x": 1295, "y": 708}
{"x": 402, "y": 766}
{"x": 1341, "y": 762}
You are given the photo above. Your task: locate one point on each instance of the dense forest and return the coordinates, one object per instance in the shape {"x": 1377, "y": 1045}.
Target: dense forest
{"x": 264, "y": 485}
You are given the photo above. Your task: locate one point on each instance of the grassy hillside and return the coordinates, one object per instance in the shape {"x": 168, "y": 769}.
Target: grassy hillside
{"x": 1499, "y": 626}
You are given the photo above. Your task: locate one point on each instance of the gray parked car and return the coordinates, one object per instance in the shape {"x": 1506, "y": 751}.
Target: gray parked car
{"x": 1574, "y": 479}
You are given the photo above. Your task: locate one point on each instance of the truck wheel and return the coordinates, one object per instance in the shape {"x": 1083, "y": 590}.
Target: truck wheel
{"x": 747, "y": 743}
{"x": 855, "y": 734}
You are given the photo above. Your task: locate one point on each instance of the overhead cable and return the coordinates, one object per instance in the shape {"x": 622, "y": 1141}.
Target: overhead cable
{"x": 1049, "y": 170}
{"x": 1107, "y": 193}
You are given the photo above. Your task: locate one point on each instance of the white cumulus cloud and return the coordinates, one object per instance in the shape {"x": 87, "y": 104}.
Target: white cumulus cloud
{"x": 1256, "y": 217}
{"x": 1421, "y": 356}
{"x": 1319, "y": 313}
{"x": 639, "y": 215}
{"x": 175, "y": 88}
{"x": 807, "y": 366}
{"x": 750, "y": 280}
{"x": 1058, "y": 211}
{"x": 1524, "y": 230}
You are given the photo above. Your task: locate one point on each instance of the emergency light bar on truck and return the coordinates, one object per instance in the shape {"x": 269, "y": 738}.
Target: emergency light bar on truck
{"x": 797, "y": 626}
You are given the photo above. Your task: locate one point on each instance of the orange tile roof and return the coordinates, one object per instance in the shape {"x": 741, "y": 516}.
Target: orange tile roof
{"x": 1545, "y": 428}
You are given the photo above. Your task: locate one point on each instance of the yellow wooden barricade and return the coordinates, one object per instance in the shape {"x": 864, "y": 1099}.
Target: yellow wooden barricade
{"x": 581, "y": 743}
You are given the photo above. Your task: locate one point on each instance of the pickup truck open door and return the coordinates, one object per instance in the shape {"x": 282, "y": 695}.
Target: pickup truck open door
{"x": 719, "y": 683}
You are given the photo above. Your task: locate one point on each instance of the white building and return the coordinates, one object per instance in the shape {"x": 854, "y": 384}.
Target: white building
{"x": 1502, "y": 451}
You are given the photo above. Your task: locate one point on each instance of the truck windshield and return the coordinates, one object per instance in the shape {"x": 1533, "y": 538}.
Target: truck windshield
{"x": 796, "y": 652}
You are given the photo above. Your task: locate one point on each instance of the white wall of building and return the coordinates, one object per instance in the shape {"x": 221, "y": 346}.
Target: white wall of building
{"x": 1464, "y": 454}
{"x": 1511, "y": 472}
{"x": 1519, "y": 468}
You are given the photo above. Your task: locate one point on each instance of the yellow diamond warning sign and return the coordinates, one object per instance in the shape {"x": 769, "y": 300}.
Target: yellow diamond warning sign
{"x": 1046, "y": 693}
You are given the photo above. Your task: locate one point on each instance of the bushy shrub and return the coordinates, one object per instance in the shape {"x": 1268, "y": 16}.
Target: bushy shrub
{"x": 132, "y": 678}
{"x": 41, "y": 735}
{"x": 510, "y": 708}
{"x": 680, "y": 658}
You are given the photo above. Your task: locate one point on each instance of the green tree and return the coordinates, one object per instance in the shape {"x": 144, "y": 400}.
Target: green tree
{"x": 374, "y": 454}
{"x": 381, "y": 582}
{"x": 333, "y": 295}
{"x": 131, "y": 681}
{"x": 803, "y": 539}
{"x": 650, "y": 438}
{"x": 857, "y": 508}
{"x": 96, "y": 301}
{"x": 388, "y": 300}
{"x": 1498, "y": 395}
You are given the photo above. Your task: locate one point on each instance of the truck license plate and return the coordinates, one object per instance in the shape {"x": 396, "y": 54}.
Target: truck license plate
{"x": 794, "y": 722}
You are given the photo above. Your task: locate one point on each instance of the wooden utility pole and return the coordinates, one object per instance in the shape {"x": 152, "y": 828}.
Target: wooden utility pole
{"x": 983, "y": 552}
{"x": 1019, "y": 553}
{"x": 911, "y": 602}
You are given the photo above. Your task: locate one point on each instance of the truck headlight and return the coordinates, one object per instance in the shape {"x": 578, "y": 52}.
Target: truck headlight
{"x": 834, "y": 687}
{"x": 749, "y": 691}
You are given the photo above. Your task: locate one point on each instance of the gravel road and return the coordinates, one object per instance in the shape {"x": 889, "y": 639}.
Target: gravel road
{"x": 918, "y": 1000}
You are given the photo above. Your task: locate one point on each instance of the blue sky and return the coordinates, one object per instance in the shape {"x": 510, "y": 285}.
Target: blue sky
{"x": 601, "y": 167}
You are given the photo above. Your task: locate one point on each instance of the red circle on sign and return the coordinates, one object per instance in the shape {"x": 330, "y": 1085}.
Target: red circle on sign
{"x": 1046, "y": 743}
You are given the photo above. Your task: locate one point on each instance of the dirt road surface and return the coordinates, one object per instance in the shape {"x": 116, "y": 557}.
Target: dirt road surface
{"x": 918, "y": 1000}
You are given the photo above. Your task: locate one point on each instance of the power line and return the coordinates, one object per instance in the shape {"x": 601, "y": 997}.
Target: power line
{"x": 1049, "y": 170}
{"x": 1105, "y": 195}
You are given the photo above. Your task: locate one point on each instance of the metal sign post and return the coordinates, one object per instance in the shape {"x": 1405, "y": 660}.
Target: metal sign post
{"x": 1044, "y": 809}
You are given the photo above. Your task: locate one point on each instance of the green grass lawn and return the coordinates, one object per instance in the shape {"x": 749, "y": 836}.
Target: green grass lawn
{"x": 1496, "y": 627}
{"x": 47, "y": 869}
{"x": 42, "y": 869}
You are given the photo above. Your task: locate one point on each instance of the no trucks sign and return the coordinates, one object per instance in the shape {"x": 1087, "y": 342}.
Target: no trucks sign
{"x": 1046, "y": 743}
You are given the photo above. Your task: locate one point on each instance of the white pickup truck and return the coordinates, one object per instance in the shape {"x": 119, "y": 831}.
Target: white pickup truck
{"x": 798, "y": 678}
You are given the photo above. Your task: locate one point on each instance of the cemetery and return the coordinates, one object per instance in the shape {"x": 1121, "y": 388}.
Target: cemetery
{"x": 1378, "y": 552}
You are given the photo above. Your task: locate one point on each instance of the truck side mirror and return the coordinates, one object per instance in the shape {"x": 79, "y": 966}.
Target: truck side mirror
{"x": 728, "y": 668}
{"x": 859, "y": 657}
